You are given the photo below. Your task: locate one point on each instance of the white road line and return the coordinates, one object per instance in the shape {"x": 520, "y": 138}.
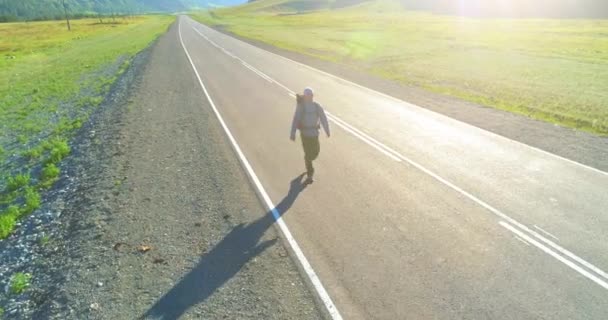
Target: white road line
{"x": 522, "y": 240}
{"x": 361, "y": 133}
{"x": 292, "y": 93}
{"x": 545, "y": 232}
{"x": 260, "y": 73}
{"x": 388, "y": 154}
{"x": 416, "y": 106}
{"x": 570, "y": 255}
{"x": 555, "y": 255}
{"x": 229, "y": 53}
{"x": 256, "y": 71}
{"x": 394, "y": 154}
{"x": 324, "y": 296}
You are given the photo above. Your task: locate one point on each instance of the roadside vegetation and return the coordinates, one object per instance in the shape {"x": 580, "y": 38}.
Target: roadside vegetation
{"x": 548, "y": 69}
{"x": 50, "y": 82}
{"x": 20, "y": 282}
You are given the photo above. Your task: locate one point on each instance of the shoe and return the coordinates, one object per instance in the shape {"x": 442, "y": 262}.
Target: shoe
{"x": 309, "y": 180}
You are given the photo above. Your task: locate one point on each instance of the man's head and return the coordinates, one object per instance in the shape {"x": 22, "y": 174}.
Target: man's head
{"x": 308, "y": 94}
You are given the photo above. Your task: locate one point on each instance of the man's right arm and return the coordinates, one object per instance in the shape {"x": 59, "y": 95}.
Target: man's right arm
{"x": 294, "y": 123}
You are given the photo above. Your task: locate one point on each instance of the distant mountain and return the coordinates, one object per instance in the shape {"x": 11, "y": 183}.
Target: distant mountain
{"x": 211, "y": 3}
{"x": 50, "y": 9}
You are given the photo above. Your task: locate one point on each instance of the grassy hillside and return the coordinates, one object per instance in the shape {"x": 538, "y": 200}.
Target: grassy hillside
{"x": 549, "y": 69}
{"x": 17, "y": 10}
{"x": 514, "y": 8}
{"x": 50, "y": 82}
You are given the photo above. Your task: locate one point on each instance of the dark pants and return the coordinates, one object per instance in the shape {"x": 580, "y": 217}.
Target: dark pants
{"x": 311, "y": 152}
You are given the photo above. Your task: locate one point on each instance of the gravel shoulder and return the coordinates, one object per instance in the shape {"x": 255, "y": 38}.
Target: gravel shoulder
{"x": 155, "y": 218}
{"x": 579, "y": 146}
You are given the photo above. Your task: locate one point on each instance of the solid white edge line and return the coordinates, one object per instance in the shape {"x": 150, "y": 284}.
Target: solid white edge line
{"x": 460, "y": 190}
{"x": 419, "y": 107}
{"x": 555, "y": 255}
{"x": 324, "y": 296}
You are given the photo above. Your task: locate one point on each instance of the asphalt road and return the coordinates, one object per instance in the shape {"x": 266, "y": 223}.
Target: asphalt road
{"x": 413, "y": 215}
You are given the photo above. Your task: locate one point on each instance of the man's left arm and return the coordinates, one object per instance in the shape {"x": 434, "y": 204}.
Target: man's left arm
{"x": 324, "y": 122}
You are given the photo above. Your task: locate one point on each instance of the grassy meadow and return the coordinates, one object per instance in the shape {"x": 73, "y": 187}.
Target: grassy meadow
{"x": 547, "y": 69}
{"x": 50, "y": 82}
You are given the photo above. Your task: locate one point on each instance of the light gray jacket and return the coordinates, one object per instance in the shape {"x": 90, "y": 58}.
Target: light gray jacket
{"x": 307, "y": 118}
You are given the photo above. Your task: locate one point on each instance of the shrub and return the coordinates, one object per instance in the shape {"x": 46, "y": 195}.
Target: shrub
{"x": 59, "y": 150}
{"x": 7, "y": 221}
{"x": 22, "y": 139}
{"x": 34, "y": 153}
{"x": 44, "y": 240}
{"x": 18, "y": 181}
{"x": 19, "y": 282}
{"x": 50, "y": 171}
{"x": 32, "y": 200}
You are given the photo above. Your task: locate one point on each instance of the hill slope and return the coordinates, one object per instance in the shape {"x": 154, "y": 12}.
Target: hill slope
{"x": 51, "y": 9}
{"x": 514, "y": 8}
{"x": 477, "y": 8}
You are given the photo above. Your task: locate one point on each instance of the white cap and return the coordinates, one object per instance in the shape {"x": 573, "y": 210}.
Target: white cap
{"x": 308, "y": 91}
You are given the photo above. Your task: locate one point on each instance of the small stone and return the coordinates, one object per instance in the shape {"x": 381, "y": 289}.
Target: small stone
{"x": 99, "y": 284}
{"x": 95, "y": 306}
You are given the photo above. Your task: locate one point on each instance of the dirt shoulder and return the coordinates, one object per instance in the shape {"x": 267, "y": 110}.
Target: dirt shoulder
{"x": 582, "y": 147}
{"x": 161, "y": 221}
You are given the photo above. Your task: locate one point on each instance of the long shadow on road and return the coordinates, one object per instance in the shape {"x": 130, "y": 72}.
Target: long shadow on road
{"x": 223, "y": 262}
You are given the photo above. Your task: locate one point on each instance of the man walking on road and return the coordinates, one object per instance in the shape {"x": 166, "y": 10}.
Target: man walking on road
{"x": 308, "y": 118}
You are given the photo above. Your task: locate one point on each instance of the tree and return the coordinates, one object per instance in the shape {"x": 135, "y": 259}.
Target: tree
{"x": 65, "y": 10}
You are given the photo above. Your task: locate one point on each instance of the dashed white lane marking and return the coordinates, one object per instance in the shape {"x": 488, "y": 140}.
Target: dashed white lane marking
{"x": 362, "y": 137}
{"x": 258, "y": 72}
{"x": 522, "y": 240}
{"x": 323, "y": 295}
{"x": 375, "y": 146}
{"x": 396, "y": 155}
{"x": 545, "y": 232}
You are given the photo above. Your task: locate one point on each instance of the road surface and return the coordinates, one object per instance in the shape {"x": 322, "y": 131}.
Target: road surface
{"x": 413, "y": 215}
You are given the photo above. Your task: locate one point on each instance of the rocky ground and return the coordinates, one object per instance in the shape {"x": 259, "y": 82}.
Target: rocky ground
{"x": 153, "y": 217}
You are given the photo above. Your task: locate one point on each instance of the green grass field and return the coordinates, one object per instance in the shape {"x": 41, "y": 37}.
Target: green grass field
{"x": 50, "y": 82}
{"x": 553, "y": 70}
